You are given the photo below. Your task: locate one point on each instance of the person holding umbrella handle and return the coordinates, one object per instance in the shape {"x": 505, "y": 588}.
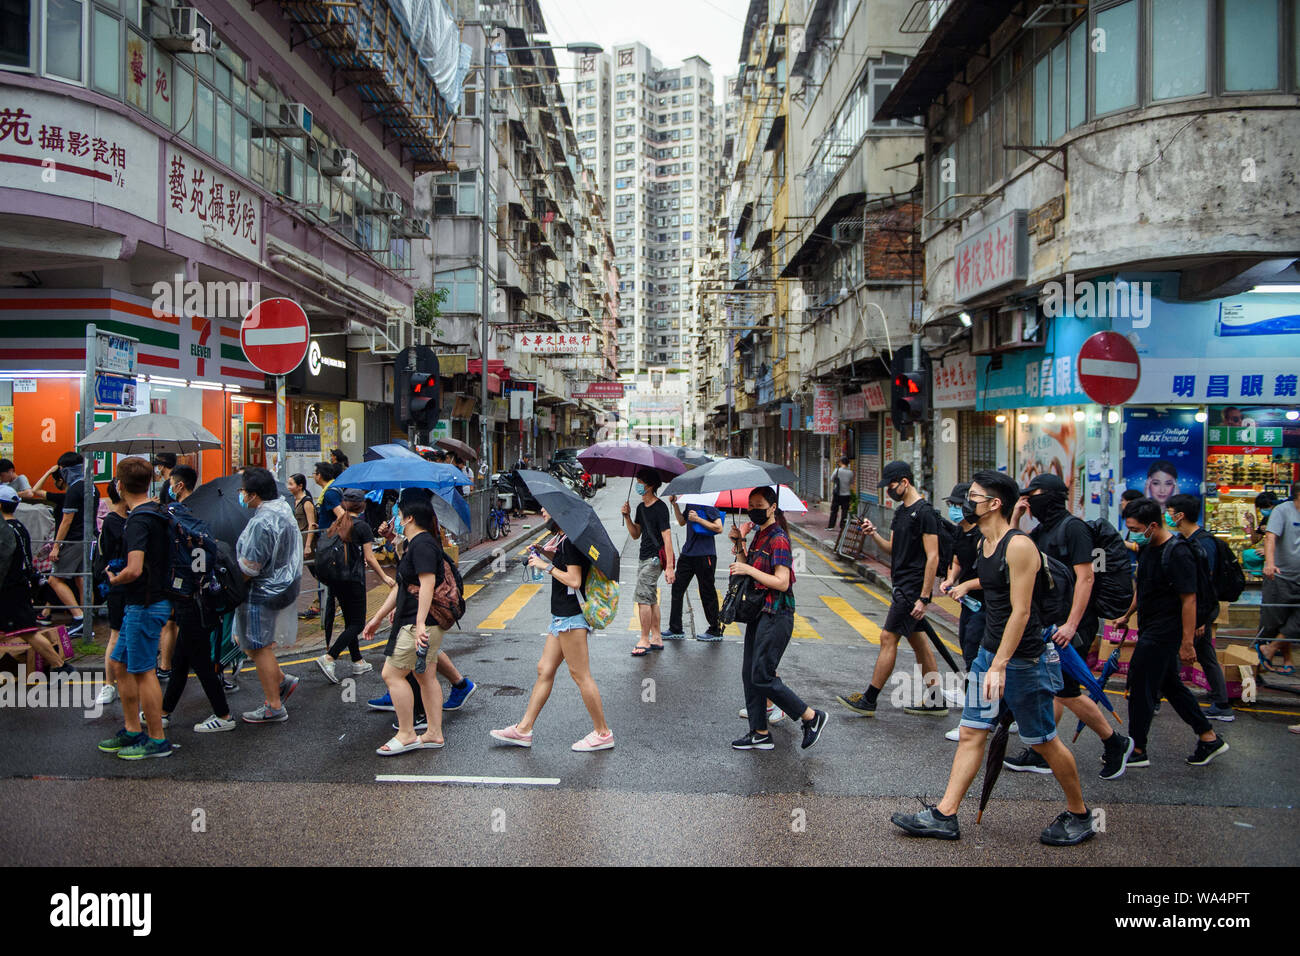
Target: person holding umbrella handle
{"x": 651, "y": 526}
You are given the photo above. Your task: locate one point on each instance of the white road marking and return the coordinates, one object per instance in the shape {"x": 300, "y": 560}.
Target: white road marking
{"x": 498, "y": 781}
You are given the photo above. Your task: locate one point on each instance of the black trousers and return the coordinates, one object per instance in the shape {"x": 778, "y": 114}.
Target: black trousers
{"x": 1209, "y": 661}
{"x": 701, "y": 567}
{"x": 351, "y": 597}
{"x": 839, "y": 503}
{"x": 193, "y": 650}
{"x": 765, "y": 642}
{"x": 1152, "y": 673}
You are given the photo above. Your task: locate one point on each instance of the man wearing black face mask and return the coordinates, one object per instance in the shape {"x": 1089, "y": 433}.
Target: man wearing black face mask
{"x": 1069, "y": 540}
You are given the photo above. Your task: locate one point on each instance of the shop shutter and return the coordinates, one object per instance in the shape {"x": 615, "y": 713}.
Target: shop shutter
{"x": 379, "y": 424}
{"x": 977, "y": 448}
{"x": 810, "y": 467}
{"x": 868, "y": 455}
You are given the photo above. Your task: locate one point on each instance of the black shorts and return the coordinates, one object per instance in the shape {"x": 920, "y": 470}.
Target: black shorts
{"x": 16, "y": 611}
{"x": 116, "y": 602}
{"x": 899, "y": 620}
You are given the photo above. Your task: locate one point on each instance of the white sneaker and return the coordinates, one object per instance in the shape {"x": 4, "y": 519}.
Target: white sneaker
{"x": 955, "y": 698}
{"x": 107, "y": 694}
{"x": 361, "y": 667}
{"x": 954, "y": 735}
{"x": 1014, "y": 728}
{"x": 774, "y": 714}
{"x": 166, "y": 720}
{"x": 213, "y": 725}
{"x": 327, "y": 666}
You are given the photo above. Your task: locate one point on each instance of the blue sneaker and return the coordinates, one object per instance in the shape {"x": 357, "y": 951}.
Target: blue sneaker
{"x": 458, "y": 696}
{"x": 146, "y": 748}
{"x": 382, "y": 703}
{"x": 672, "y": 636}
{"x": 709, "y": 635}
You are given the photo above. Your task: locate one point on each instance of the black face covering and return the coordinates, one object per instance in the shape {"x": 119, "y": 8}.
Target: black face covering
{"x": 896, "y": 495}
{"x": 1047, "y": 506}
{"x": 968, "y": 512}
{"x": 757, "y": 515}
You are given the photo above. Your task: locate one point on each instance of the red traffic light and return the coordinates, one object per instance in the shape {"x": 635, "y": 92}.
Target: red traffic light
{"x": 907, "y": 383}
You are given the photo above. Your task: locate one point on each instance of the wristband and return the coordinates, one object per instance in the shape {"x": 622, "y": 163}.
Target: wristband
{"x": 925, "y": 600}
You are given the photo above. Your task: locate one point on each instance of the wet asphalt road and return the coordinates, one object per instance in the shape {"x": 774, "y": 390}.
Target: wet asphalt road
{"x": 672, "y": 790}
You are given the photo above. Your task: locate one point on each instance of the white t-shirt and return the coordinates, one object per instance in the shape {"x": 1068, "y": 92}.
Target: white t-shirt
{"x": 1285, "y": 523}
{"x": 19, "y": 484}
{"x": 843, "y": 480}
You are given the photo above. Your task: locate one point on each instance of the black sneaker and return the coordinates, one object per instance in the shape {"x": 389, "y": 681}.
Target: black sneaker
{"x": 1139, "y": 759}
{"x": 421, "y": 724}
{"x": 75, "y": 627}
{"x": 1224, "y": 713}
{"x": 926, "y": 710}
{"x": 812, "y": 729}
{"x": 1207, "y": 751}
{"x": 1115, "y": 757}
{"x": 928, "y": 823}
{"x": 1027, "y": 761}
{"x": 858, "y": 704}
{"x": 1068, "y": 830}
{"x": 753, "y": 741}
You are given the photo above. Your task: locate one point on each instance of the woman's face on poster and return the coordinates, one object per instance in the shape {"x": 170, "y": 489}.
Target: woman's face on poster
{"x": 1161, "y": 486}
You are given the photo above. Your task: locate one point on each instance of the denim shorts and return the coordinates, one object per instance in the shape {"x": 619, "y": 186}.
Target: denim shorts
{"x": 573, "y": 622}
{"x": 137, "y": 640}
{"x": 1030, "y": 687}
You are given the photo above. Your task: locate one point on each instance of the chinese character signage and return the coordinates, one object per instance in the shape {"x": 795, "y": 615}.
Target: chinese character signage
{"x": 853, "y": 407}
{"x": 825, "y": 411}
{"x": 555, "y": 343}
{"x": 992, "y": 257}
{"x": 1038, "y": 376}
{"x": 604, "y": 390}
{"x": 954, "y": 381}
{"x": 874, "y": 393}
{"x": 199, "y": 202}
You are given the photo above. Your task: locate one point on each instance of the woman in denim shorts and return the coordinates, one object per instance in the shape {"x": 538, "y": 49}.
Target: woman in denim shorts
{"x": 566, "y": 642}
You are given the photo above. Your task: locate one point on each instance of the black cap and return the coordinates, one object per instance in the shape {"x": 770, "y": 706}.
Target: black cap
{"x": 353, "y": 494}
{"x": 165, "y": 458}
{"x": 958, "y": 495}
{"x": 1047, "y": 482}
{"x": 895, "y": 471}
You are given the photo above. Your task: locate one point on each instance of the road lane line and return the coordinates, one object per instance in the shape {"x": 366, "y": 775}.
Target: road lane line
{"x": 496, "y": 781}
{"x": 879, "y": 597}
{"x": 470, "y": 590}
{"x": 803, "y": 629}
{"x": 510, "y": 607}
{"x": 864, "y": 626}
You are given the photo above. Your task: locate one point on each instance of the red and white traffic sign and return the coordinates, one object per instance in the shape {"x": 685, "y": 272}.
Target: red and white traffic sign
{"x": 1109, "y": 368}
{"x": 274, "y": 336}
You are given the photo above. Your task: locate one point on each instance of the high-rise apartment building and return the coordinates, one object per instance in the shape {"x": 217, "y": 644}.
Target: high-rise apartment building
{"x": 651, "y": 133}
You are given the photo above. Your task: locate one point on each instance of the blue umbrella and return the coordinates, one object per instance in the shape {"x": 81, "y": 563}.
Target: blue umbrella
{"x": 391, "y": 450}
{"x": 458, "y": 502}
{"x": 1112, "y": 665}
{"x": 1077, "y": 668}
{"x": 401, "y": 473}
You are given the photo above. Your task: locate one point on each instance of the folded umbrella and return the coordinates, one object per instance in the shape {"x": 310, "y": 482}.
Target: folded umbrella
{"x": 149, "y": 433}
{"x": 1111, "y": 666}
{"x": 729, "y": 474}
{"x": 217, "y": 503}
{"x": 623, "y": 459}
{"x": 738, "y": 500}
{"x": 401, "y": 473}
{"x": 1077, "y": 668}
{"x": 997, "y": 754}
{"x": 576, "y": 518}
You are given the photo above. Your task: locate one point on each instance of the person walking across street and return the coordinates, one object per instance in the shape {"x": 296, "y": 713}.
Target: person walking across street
{"x": 769, "y": 562}
{"x": 970, "y": 625}
{"x": 1185, "y": 510}
{"x": 194, "y": 644}
{"x": 270, "y": 557}
{"x": 566, "y": 642}
{"x": 143, "y": 580}
{"x": 650, "y": 526}
{"x": 350, "y": 590}
{"x": 841, "y": 492}
{"x": 1279, "y": 619}
{"x": 66, "y": 578}
{"x": 1165, "y": 603}
{"x": 414, "y": 628}
{"x": 1015, "y": 668}
{"x": 112, "y": 554}
{"x": 1069, "y": 540}
{"x": 913, "y": 549}
{"x": 328, "y": 509}
{"x": 699, "y": 560}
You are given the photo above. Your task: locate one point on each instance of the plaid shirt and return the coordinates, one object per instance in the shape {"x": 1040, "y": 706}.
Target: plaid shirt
{"x": 771, "y": 550}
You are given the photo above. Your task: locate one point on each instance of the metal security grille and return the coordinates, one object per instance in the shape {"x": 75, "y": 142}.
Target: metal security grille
{"x": 810, "y": 467}
{"x": 869, "y": 457}
{"x": 977, "y": 448}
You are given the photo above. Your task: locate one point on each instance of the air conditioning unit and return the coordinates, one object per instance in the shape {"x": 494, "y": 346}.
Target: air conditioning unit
{"x": 342, "y": 162}
{"x": 413, "y": 228}
{"x": 185, "y": 30}
{"x": 288, "y": 120}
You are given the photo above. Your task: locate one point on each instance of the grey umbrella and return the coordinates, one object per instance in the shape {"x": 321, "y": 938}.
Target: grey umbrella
{"x": 728, "y": 474}
{"x": 150, "y": 433}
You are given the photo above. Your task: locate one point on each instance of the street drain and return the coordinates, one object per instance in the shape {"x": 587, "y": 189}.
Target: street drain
{"x": 509, "y": 692}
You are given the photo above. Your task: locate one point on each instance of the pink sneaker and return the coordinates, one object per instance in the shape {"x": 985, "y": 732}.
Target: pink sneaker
{"x": 511, "y": 735}
{"x": 594, "y": 741}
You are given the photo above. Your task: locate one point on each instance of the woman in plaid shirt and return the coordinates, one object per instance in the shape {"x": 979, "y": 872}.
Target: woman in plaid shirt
{"x": 770, "y": 564}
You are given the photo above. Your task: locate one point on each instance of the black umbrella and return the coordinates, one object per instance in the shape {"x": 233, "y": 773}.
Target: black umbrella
{"x": 997, "y": 753}
{"x": 690, "y": 457}
{"x": 728, "y": 474}
{"x": 928, "y": 628}
{"x": 576, "y": 519}
{"x": 217, "y": 503}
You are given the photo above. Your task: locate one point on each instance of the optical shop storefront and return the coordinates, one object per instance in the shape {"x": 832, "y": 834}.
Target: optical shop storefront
{"x": 191, "y": 367}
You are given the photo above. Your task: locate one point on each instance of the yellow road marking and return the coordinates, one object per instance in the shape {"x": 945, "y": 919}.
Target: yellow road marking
{"x": 533, "y": 543}
{"x": 804, "y": 630}
{"x": 510, "y": 607}
{"x": 879, "y": 597}
{"x": 863, "y": 625}
{"x": 471, "y": 589}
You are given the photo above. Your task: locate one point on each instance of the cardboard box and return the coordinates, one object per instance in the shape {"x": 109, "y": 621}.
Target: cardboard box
{"x": 1238, "y": 655}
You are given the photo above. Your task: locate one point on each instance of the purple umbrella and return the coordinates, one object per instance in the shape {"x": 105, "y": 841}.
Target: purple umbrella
{"x": 623, "y": 459}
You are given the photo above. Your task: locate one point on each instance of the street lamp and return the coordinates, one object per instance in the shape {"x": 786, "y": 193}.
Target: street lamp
{"x": 489, "y": 54}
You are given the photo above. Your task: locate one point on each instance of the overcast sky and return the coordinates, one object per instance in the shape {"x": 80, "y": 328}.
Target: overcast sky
{"x": 672, "y": 29}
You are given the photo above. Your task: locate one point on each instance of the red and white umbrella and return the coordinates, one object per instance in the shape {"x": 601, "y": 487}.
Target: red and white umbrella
{"x": 738, "y": 500}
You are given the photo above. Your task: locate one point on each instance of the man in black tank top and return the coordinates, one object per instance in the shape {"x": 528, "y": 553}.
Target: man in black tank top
{"x": 1015, "y": 663}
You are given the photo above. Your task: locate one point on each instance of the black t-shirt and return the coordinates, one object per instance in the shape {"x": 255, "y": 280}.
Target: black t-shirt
{"x": 965, "y": 550}
{"x": 423, "y": 555}
{"x": 112, "y": 539}
{"x": 1068, "y": 540}
{"x": 21, "y": 565}
{"x": 55, "y": 500}
{"x": 564, "y": 603}
{"x": 362, "y": 535}
{"x": 653, "y": 522}
{"x": 1161, "y": 583}
{"x": 907, "y": 554}
{"x": 148, "y": 531}
{"x": 995, "y": 580}
{"x": 74, "y": 505}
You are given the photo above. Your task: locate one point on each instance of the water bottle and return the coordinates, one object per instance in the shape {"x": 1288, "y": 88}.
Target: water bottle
{"x": 421, "y": 658}
{"x": 532, "y": 574}
{"x": 971, "y": 604}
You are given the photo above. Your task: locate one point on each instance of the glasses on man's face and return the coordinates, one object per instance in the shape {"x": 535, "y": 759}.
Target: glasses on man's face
{"x": 971, "y": 499}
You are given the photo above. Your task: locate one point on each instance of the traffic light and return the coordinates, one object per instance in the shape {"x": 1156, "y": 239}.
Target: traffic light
{"x": 910, "y": 394}
{"x": 424, "y": 402}
{"x": 418, "y": 388}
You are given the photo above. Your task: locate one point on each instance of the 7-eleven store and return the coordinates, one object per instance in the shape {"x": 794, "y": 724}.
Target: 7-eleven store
{"x": 192, "y": 367}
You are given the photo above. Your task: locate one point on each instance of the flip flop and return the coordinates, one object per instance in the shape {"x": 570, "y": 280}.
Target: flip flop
{"x": 640, "y": 651}
{"x": 656, "y": 647}
{"x": 1266, "y": 663}
{"x": 396, "y": 747}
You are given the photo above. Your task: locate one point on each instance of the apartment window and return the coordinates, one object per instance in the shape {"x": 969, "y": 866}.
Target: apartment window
{"x": 1178, "y": 48}
{"x": 1249, "y": 47}
{"x": 1115, "y": 85}
{"x": 462, "y": 286}
{"x": 456, "y": 194}
{"x": 16, "y": 34}
{"x": 65, "y": 39}
{"x": 1078, "y": 94}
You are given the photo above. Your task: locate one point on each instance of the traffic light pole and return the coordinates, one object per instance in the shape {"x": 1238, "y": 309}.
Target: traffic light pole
{"x": 485, "y": 450}
{"x": 917, "y": 430}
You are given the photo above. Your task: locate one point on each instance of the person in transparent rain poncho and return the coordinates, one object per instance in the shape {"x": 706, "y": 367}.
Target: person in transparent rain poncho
{"x": 270, "y": 556}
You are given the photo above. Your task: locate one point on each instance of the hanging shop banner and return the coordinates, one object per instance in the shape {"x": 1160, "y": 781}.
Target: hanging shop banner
{"x": 874, "y": 393}
{"x": 554, "y": 343}
{"x": 954, "y": 381}
{"x": 1038, "y": 376}
{"x": 825, "y": 411}
{"x": 1051, "y": 447}
{"x": 1163, "y": 452}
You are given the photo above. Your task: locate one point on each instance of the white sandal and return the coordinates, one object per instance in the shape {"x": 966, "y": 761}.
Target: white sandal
{"x": 396, "y": 747}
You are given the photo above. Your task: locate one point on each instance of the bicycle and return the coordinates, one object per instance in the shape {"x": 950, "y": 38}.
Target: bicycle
{"x": 498, "y": 521}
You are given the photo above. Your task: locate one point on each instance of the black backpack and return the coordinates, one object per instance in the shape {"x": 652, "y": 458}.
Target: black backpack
{"x": 330, "y": 560}
{"x": 948, "y": 535}
{"x": 1112, "y": 584}
{"x": 225, "y": 587}
{"x": 1207, "y": 604}
{"x": 1053, "y": 588}
{"x": 1227, "y": 577}
{"x": 191, "y": 552}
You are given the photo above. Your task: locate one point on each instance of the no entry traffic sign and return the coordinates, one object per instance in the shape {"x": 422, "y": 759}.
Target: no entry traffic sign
{"x": 1109, "y": 369}
{"x": 274, "y": 336}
